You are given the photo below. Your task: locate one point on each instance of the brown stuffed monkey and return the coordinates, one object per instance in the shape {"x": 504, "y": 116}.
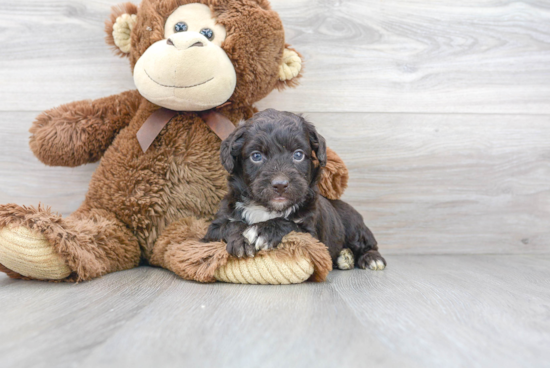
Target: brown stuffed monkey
{"x": 153, "y": 201}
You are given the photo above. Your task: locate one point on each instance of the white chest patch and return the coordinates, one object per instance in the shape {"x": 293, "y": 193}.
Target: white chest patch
{"x": 253, "y": 213}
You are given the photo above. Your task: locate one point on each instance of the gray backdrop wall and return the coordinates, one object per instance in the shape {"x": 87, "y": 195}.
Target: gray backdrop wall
{"x": 441, "y": 110}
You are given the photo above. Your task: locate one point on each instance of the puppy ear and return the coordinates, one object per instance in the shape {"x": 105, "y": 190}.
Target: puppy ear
{"x": 119, "y": 27}
{"x": 231, "y": 149}
{"x": 318, "y": 144}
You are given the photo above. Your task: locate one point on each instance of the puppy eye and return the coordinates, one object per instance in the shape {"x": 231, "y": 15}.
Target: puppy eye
{"x": 208, "y": 33}
{"x": 180, "y": 27}
{"x": 256, "y": 157}
{"x": 299, "y": 156}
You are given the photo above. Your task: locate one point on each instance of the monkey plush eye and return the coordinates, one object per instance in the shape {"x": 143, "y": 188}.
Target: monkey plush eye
{"x": 299, "y": 156}
{"x": 208, "y": 33}
{"x": 180, "y": 27}
{"x": 256, "y": 157}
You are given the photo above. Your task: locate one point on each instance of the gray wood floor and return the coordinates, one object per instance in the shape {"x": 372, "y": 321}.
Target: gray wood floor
{"x": 441, "y": 109}
{"x": 423, "y": 311}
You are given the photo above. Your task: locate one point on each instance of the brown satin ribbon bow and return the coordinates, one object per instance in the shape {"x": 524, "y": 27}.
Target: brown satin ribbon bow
{"x": 152, "y": 127}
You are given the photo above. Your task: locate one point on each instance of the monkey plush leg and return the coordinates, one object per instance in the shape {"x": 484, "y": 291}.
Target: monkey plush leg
{"x": 37, "y": 244}
{"x": 180, "y": 249}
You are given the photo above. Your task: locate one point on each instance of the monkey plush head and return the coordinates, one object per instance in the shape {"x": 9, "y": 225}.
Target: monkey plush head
{"x": 194, "y": 55}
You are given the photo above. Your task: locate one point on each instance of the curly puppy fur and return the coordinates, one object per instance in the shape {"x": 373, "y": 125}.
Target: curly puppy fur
{"x": 153, "y": 206}
{"x": 276, "y": 160}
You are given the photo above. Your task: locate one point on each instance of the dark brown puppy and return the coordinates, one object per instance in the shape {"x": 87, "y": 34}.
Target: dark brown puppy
{"x": 273, "y": 191}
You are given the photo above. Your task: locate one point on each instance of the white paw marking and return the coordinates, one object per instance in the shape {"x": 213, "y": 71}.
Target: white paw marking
{"x": 251, "y": 234}
{"x": 254, "y": 213}
{"x": 261, "y": 243}
{"x": 377, "y": 265}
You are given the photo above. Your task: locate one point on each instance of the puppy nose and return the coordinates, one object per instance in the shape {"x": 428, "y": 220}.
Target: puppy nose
{"x": 280, "y": 185}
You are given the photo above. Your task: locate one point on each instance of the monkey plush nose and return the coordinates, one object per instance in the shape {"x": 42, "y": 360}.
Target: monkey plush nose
{"x": 197, "y": 44}
{"x": 186, "y": 40}
{"x": 280, "y": 185}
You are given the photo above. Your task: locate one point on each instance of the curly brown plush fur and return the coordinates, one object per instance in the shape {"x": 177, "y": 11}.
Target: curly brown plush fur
{"x": 80, "y": 132}
{"x": 92, "y": 242}
{"x": 154, "y": 205}
{"x": 334, "y": 177}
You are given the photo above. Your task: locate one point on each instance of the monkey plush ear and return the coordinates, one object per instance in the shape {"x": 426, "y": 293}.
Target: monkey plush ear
{"x": 290, "y": 69}
{"x": 119, "y": 27}
{"x": 231, "y": 149}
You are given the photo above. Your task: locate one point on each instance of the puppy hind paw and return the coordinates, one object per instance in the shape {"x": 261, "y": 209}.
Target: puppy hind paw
{"x": 372, "y": 260}
{"x": 378, "y": 265}
{"x": 346, "y": 260}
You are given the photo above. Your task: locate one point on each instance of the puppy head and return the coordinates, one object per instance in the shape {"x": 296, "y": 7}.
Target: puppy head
{"x": 275, "y": 158}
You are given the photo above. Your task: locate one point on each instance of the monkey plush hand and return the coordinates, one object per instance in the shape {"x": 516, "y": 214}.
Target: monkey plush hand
{"x": 191, "y": 60}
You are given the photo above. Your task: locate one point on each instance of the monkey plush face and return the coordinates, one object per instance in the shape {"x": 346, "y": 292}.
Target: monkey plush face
{"x": 188, "y": 70}
{"x": 197, "y": 55}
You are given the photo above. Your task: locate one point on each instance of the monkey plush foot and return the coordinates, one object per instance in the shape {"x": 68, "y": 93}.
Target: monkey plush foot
{"x": 266, "y": 269}
{"x": 29, "y": 254}
{"x": 297, "y": 259}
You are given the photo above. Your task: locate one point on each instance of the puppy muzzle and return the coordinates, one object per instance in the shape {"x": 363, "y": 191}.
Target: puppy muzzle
{"x": 279, "y": 190}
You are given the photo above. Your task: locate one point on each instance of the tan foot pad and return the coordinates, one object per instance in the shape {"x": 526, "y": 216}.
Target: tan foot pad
{"x": 265, "y": 269}
{"x": 30, "y": 254}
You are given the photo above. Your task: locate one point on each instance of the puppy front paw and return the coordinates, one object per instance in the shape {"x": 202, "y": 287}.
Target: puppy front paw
{"x": 269, "y": 234}
{"x": 238, "y": 246}
{"x": 255, "y": 236}
{"x": 372, "y": 260}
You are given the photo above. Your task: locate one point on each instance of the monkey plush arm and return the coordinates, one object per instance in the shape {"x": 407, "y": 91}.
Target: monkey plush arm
{"x": 79, "y": 133}
{"x": 334, "y": 179}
